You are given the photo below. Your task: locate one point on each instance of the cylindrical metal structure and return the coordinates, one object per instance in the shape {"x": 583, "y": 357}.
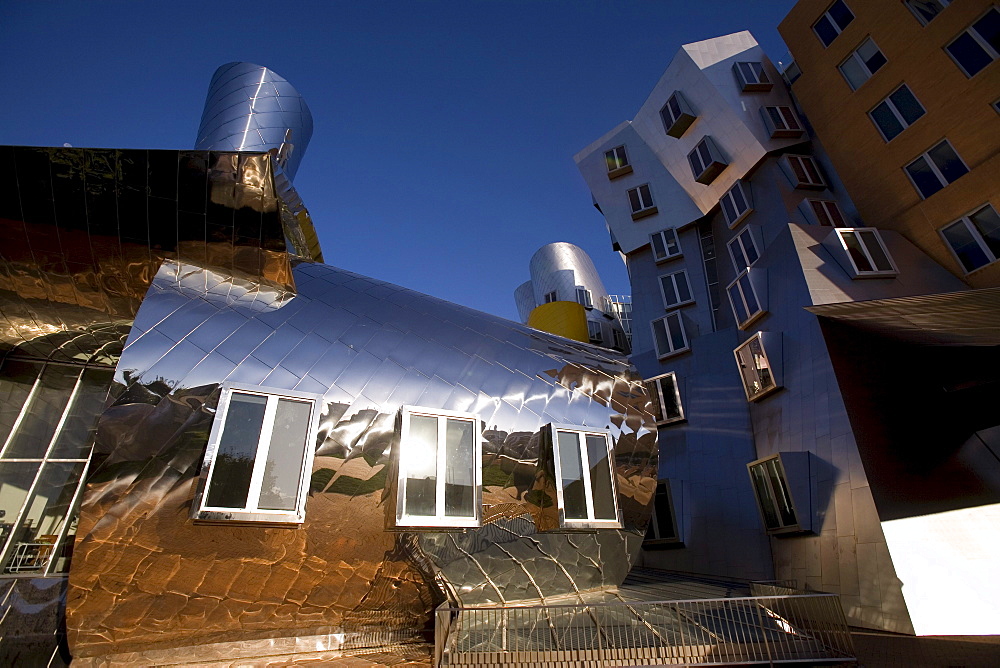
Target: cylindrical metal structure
{"x": 252, "y": 108}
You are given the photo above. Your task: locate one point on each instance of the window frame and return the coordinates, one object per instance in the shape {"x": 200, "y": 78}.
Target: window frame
{"x": 894, "y": 110}
{"x": 617, "y": 162}
{"x": 684, "y": 119}
{"x": 861, "y": 234}
{"x": 591, "y": 522}
{"x": 652, "y": 537}
{"x": 645, "y": 208}
{"x": 713, "y": 168}
{"x": 785, "y": 492}
{"x": 977, "y": 236}
{"x": 668, "y": 333}
{"x": 251, "y": 514}
{"x": 827, "y": 220}
{"x": 858, "y": 59}
{"x": 790, "y": 127}
{"x": 756, "y": 80}
{"x": 798, "y": 182}
{"x": 657, "y": 399}
{"x": 738, "y": 239}
{"x": 752, "y": 316}
{"x": 731, "y": 199}
{"x": 673, "y": 282}
{"x": 439, "y": 519}
{"x": 765, "y": 389}
{"x": 987, "y": 48}
{"x": 595, "y": 333}
{"x": 935, "y": 169}
{"x": 584, "y": 297}
{"x": 920, "y": 18}
{"x": 838, "y": 29}
{"x": 554, "y": 295}
{"x": 663, "y": 241}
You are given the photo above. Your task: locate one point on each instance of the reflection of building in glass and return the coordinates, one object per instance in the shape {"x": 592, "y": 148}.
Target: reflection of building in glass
{"x": 565, "y": 296}
{"x": 743, "y": 244}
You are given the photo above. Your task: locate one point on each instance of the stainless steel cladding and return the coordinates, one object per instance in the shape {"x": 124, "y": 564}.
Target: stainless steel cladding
{"x": 252, "y": 108}
{"x": 564, "y": 268}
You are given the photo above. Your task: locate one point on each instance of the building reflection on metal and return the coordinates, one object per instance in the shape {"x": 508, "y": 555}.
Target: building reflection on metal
{"x": 213, "y": 257}
{"x": 252, "y": 108}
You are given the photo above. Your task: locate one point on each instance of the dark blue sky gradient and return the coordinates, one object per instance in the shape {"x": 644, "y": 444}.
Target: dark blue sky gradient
{"x": 442, "y": 155}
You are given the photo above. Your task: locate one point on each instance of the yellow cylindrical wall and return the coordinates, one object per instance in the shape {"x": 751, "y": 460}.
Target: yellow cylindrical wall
{"x": 567, "y": 319}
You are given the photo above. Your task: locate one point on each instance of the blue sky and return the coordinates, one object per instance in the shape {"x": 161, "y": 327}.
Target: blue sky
{"x": 442, "y": 155}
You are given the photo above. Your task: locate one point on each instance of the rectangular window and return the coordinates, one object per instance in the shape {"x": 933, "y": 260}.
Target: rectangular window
{"x": 743, "y": 298}
{"x": 827, "y": 213}
{"x": 586, "y": 490}
{"x": 735, "y": 204}
{"x": 896, "y": 113}
{"x": 259, "y": 456}
{"x": 926, "y": 10}
{"x": 975, "y": 238}
{"x": 669, "y": 336}
{"x": 584, "y": 297}
{"x": 706, "y": 161}
{"x": 781, "y": 122}
{"x": 594, "y": 332}
{"x": 665, "y": 244}
{"x": 935, "y": 169}
{"x": 805, "y": 172}
{"x": 665, "y": 399}
{"x": 617, "y": 161}
{"x": 752, "y": 77}
{"x": 755, "y": 370}
{"x": 978, "y": 46}
{"x": 863, "y": 62}
{"x": 440, "y": 469}
{"x": 833, "y": 22}
{"x": 662, "y": 523}
{"x": 743, "y": 250}
{"x": 675, "y": 289}
{"x": 866, "y": 251}
{"x": 774, "y": 500}
{"x": 677, "y": 115}
{"x": 641, "y": 201}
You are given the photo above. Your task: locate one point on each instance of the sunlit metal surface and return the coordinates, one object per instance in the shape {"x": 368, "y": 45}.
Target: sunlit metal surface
{"x": 252, "y": 108}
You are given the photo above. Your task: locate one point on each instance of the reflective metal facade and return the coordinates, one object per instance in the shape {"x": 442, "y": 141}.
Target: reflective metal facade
{"x": 252, "y": 108}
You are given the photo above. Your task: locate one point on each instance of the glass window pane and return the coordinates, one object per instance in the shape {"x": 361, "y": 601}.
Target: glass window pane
{"x": 645, "y": 197}
{"x": 825, "y": 30}
{"x": 696, "y": 166}
{"x": 856, "y": 252}
{"x": 988, "y": 28}
{"x": 969, "y": 54}
{"x": 840, "y": 14}
{"x": 43, "y": 413}
{"x": 16, "y": 382}
{"x": 748, "y": 248}
{"x": 74, "y": 439}
{"x": 812, "y": 171}
{"x": 669, "y": 292}
{"x": 738, "y": 308}
{"x": 676, "y": 334}
{"x": 658, "y": 249}
{"x": 886, "y": 121}
{"x": 748, "y": 294}
{"x": 739, "y": 201}
{"x": 947, "y": 161}
{"x": 872, "y": 57}
{"x": 15, "y": 480}
{"x": 926, "y": 180}
{"x": 660, "y": 337}
{"x": 459, "y": 473}
{"x": 705, "y": 153}
{"x": 633, "y": 199}
{"x": 968, "y": 250}
{"x": 853, "y": 72}
{"x": 987, "y": 222}
{"x": 739, "y": 258}
{"x": 764, "y": 497}
{"x": 230, "y": 483}
{"x": 601, "y": 488}
{"x": 683, "y": 290}
{"x": 286, "y": 454}
{"x": 675, "y": 107}
{"x": 878, "y": 256}
{"x": 571, "y": 476}
{"x": 728, "y": 209}
{"x": 45, "y": 516}
{"x": 782, "y": 499}
{"x": 760, "y": 364}
{"x": 420, "y": 456}
{"x": 654, "y": 400}
{"x": 671, "y": 407}
{"x": 925, "y": 9}
{"x": 907, "y": 105}
{"x": 800, "y": 173}
{"x": 671, "y": 239}
{"x": 664, "y": 517}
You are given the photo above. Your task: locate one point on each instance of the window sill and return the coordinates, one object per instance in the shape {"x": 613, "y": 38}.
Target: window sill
{"x": 875, "y": 274}
{"x": 786, "y": 134}
{"x": 757, "y": 87}
{"x": 763, "y": 393}
{"x": 621, "y": 171}
{"x": 681, "y": 126}
{"x": 675, "y": 353}
{"x": 243, "y": 518}
{"x": 667, "y": 423}
{"x": 710, "y": 172}
{"x": 743, "y": 216}
{"x": 645, "y": 213}
{"x": 751, "y": 320}
{"x": 668, "y": 258}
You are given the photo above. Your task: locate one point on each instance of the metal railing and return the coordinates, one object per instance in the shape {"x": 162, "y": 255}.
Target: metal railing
{"x": 760, "y": 629}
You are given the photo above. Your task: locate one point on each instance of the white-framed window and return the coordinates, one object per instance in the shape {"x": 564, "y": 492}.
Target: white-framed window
{"x": 979, "y": 45}
{"x": 770, "y": 486}
{"x": 827, "y": 213}
{"x": 440, "y": 468}
{"x": 805, "y": 172}
{"x": 616, "y": 158}
{"x": 735, "y": 204}
{"x": 996, "y": 106}
{"x": 743, "y": 298}
{"x": 663, "y": 522}
{"x": 755, "y": 369}
{"x": 641, "y": 201}
{"x": 975, "y": 238}
{"x": 586, "y": 489}
{"x": 595, "y": 332}
{"x": 665, "y": 398}
{"x": 620, "y": 340}
{"x": 706, "y": 161}
{"x": 675, "y": 289}
{"x": 752, "y": 77}
{"x": 832, "y": 22}
{"x": 863, "y": 62}
{"x": 584, "y": 297}
{"x": 677, "y": 115}
{"x": 781, "y": 122}
{"x": 743, "y": 250}
{"x": 935, "y": 169}
{"x": 551, "y": 297}
{"x": 665, "y": 244}
{"x": 867, "y": 252}
{"x": 895, "y": 113}
{"x": 925, "y": 10}
{"x": 669, "y": 336}
{"x": 259, "y": 456}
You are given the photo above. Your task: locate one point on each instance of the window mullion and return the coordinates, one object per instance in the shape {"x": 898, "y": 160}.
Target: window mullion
{"x": 260, "y": 458}
{"x": 934, "y": 168}
{"x": 441, "y": 467}
{"x": 972, "y": 32}
{"x": 24, "y": 411}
